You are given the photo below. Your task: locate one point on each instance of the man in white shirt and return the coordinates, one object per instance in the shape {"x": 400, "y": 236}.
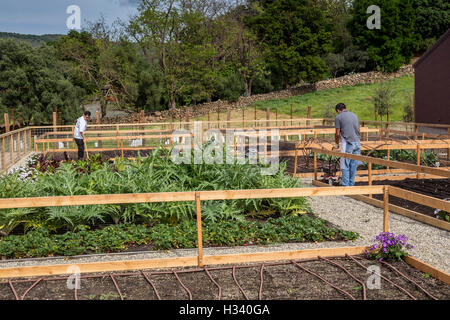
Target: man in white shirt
{"x": 78, "y": 133}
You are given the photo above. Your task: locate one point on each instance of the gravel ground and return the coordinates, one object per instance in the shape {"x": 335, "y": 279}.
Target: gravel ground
{"x": 431, "y": 245}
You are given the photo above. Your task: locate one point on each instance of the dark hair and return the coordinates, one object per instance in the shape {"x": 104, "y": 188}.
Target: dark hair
{"x": 340, "y": 107}
{"x": 87, "y": 113}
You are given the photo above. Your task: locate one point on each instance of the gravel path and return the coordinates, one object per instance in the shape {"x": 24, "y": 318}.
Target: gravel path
{"x": 431, "y": 245}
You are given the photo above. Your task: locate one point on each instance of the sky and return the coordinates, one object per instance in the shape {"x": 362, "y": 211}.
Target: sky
{"x": 50, "y": 16}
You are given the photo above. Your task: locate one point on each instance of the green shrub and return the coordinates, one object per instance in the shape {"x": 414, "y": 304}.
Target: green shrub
{"x": 117, "y": 238}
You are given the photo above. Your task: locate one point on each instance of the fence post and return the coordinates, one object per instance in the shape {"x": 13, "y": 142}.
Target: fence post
{"x": 295, "y": 160}
{"x": 268, "y": 116}
{"x": 418, "y": 160}
{"x": 228, "y": 117}
{"x": 100, "y": 144}
{"x": 243, "y": 118}
{"x": 6, "y": 117}
{"x": 315, "y": 165}
{"x": 388, "y": 156}
{"x": 11, "y": 149}
{"x": 308, "y": 115}
{"x": 199, "y": 229}
{"x": 218, "y": 117}
{"x": 29, "y": 139}
{"x": 187, "y": 119}
{"x": 370, "y": 176}
{"x": 55, "y": 123}
{"x": 19, "y": 149}
{"x": 143, "y": 127}
{"x": 3, "y": 154}
{"x": 386, "y": 209}
{"x": 291, "y": 114}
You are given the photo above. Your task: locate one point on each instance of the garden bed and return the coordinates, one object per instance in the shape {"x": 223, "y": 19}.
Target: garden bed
{"x": 100, "y": 228}
{"x": 437, "y": 188}
{"x": 321, "y": 278}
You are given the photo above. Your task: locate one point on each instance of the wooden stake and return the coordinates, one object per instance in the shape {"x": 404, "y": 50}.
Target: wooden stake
{"x": 29, "y": 140}
{"x": 228, "y": 117}
{"x": 308, "y": 115}
{"x": 295, "y": 161}
{"x": 291, "y": 114}
{"x": 86, "y": 148}
{"x": 268, "y": 116}
{"x": 3, "y": 154}
{"x": 386, "y": 209}
{"x": 388, "y": 156}
{"x": 199, "y": 229}
{"x": 315, "y": 165}
{"x": 55, "y": 126}
{"x": 11, "y": 149}
{"x": 370, "y": 176}
{"x": 418, "y": 160}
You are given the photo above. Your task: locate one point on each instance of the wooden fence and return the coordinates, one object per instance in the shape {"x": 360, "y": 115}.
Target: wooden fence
{"x": 397, "y": 192}
{"x": 196, "y": 196}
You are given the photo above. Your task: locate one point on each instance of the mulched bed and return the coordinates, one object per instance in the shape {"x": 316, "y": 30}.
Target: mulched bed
{"x": 299, "y": 280}
{"x": 437, "y": 188}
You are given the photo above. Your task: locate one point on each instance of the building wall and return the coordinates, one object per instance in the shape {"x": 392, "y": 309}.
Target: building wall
{"x": 432, "y": 84}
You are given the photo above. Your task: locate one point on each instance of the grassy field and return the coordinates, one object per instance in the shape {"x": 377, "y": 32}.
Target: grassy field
{"x": 358, "y": 99}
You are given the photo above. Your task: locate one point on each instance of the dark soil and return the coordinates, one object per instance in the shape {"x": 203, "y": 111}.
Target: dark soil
{"x": 280, "y": 282}
{"x": 437, "y": 188}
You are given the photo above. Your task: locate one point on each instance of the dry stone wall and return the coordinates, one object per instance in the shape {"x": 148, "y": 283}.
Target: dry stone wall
{"x": 220, "y": 106}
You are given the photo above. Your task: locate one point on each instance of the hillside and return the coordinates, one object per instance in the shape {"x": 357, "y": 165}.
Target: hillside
{"x": 357, "y": 98}
{"x": 34, "y": 40}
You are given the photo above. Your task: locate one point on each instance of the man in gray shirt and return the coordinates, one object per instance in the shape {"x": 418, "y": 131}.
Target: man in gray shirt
{"x": 347, "y": 132}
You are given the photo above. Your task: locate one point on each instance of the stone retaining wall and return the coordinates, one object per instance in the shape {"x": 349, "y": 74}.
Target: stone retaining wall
{"x": 203, "y": 109}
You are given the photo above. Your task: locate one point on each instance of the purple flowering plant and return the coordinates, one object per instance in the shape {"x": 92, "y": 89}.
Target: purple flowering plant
{"x": 388, "y": 246}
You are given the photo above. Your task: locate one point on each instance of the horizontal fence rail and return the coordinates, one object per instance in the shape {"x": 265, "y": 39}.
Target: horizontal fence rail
{"x": 196, "y": 196}
{"x": 388, "y": 163}
{"x": 56, "y": 201}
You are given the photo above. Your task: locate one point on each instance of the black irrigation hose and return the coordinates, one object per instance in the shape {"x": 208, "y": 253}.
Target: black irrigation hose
{"x": 384, "y": 278}
{"x": 234, "y": 267}
{"x": 410, "y": 280}
{"x": 349, "y": 273}
{"x": 324, "y": 280}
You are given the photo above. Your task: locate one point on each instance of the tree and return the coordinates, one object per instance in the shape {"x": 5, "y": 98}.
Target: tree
{"x": 432, "y": 20}
{"x": 105, "y": 63}
{"x": 248, "y": 54}
{"x": 338, "y": 12}
{"x": 294, "y": 34}
{"x": 32, "y": 81}
{"x": 383, "y": 98}
{"x": 408, "y": 108}
{"x": 336, "y": 63}
{"x": 173, "y": 34}
{"x": 392, "y": 45}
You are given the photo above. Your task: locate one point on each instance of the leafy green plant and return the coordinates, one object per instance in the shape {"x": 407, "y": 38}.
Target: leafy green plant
{"x": 116, "y": 238}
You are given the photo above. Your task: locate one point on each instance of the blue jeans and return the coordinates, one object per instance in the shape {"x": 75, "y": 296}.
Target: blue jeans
{"x": 349, "y": 167}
